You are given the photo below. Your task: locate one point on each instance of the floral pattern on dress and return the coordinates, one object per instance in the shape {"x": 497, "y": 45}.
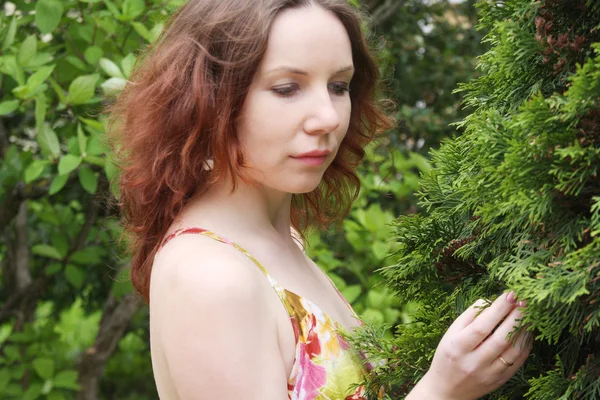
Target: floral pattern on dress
{"x": 326, "y": 368}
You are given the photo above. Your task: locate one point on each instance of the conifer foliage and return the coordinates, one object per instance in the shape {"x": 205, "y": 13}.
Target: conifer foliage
{"x": 513, "y": 204}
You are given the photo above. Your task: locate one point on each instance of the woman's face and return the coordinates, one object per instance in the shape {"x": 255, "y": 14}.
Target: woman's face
{"x": 297, "y": 110}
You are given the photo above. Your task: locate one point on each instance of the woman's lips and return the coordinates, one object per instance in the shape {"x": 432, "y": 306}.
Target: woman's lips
{"x": 313, "y": 161}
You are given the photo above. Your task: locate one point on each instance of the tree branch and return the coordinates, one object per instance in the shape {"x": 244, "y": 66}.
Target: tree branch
{"x": 115, "y": 319}
{"x": 383, "y": 10}
{"x": 22, "y": 273}
{"x": 12, "y": 306}
{"x": 91, "y": 216}
{"x": 3, "y": 139}
{"x": 20, "y": 192}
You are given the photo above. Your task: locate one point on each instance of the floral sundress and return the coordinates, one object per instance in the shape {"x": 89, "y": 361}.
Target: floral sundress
{"x": 325, "y": 367}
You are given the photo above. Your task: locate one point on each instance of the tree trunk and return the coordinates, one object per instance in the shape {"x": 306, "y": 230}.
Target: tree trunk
{"x": 115, "y": 319}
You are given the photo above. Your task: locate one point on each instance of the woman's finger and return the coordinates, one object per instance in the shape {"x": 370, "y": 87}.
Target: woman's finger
{"x": 480, "y": 328}
{"x": 513, "y": 351}
{"x": 513, "y": 358}
{"x": 503, "y": 338}
{"x": 468, "y": 315}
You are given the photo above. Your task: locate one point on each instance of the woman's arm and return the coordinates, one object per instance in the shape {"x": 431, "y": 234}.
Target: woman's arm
{"x": 210, "y": 320}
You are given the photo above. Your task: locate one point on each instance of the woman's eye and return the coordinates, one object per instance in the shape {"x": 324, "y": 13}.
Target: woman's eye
{"x": 285, "y": 90}
{"x": 339, "y": 88}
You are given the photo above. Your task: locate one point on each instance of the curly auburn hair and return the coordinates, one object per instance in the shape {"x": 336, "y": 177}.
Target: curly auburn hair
{"x": 181, "y": 107}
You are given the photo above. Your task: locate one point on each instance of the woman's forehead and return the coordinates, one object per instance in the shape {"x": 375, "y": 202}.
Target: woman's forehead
{"x": 305, "y": 39}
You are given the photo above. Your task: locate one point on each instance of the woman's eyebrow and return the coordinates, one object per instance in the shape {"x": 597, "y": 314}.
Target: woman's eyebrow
{"x": 298, "y": 71}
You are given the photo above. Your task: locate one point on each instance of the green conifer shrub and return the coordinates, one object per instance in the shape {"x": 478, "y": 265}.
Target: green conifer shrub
{"x": 512, "y": 204}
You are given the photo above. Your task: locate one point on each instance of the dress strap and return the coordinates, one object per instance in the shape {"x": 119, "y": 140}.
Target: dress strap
{"x": 281, "y": 293}
{"x": 212, "y": 235}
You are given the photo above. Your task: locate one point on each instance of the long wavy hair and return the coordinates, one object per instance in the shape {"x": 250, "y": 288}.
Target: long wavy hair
{"x": 181, "y": 108}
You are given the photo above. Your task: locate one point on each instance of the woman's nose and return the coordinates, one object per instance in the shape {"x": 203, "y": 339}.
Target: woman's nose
{"x": 323, "y": 116}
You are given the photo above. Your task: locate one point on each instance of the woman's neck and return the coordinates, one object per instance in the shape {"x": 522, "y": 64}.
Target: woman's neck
{"x": 247, "y": 209}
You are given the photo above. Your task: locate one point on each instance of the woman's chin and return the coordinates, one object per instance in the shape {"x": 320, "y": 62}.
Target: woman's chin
{"x": 305, "y": 188}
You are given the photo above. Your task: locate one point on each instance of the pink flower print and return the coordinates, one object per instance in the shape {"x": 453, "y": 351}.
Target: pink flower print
{"x": 313, "y": 344}
{"x": 311, "y": 377}
{"x": 343, "y": 343}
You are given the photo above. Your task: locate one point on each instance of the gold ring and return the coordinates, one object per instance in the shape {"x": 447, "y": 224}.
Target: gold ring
{"x": 506, "y": 362}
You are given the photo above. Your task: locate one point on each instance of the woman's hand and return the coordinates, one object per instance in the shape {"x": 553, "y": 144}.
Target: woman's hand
{"x": 475, "y": 356}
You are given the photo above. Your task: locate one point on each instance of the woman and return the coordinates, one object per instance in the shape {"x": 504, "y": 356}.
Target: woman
{"x": 246, "y": 118}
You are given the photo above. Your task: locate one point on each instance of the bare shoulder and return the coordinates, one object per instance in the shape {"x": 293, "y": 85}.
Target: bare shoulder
{"x": 207, "y": 308}
{"x": 193, "y": 263}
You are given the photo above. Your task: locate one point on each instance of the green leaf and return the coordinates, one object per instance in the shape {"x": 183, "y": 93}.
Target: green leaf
{"x": 110, "y": 68}
{"x": 33, "y": 392}
{"x": 88, "y": 179}
{"x": 10, "y": 34}
{"x": 351, "y": 292}
{"x": 338, "y": 281}
{"x": 48, "y": 14}
{"x": 55, "y": 396}
{"x": 12, "y": 160}
{"x": 122, "y": 287}
{"x": 113, "y": 86}
{"x": 82, "y": 89}
{"x": 110, "y": 169}
{"x": 88, "y": 255}
{"x": 4, "y": 379}
{"x": 127, "y": 64}
{"x": 76, "y": 62}
{"x": 421, "y": 162}
{"x": 93, "y": 54}
{"x": 40, "y": 111}
{"x": 391, "y": 315}
{"x": 53, "y": 269}
{"x": 141, "y": 30}
{"x": 34, "y": 170}
{"x": 374, "y": 317}
{"x": 95, "y": 160}
{"x": 44, "y": 367}
{"x": 48, "y": 141}
{"x": 133, "y": 8}
{"x": 95, "y": 146}
{"x": 59, "y": 91}
{"x": 28, "y": 50}
{"x": 93, "y": 123}
{"x": 47, "y": 387}
{"x": 40, "y": 59}
{"x": 156, "y": 31}
{"x": 66, "y": 379}
{"x": 10, "y": 67}
{"x": 6, "y": 107}
{"x": 380, "y": 249}
{"x": 57, "y": 184}
{"x": 112, "y": 8}
{"x": 74, "y": 275}
{"x": 39, "y": 77}
{"x": 375, "y": 299}
{"x": 45, "y": 250}
{"x": 82, "y": 139}
{"x": 68, "y": 163}
{"x": 12, "y": 354}
{"x": 14, "y": 389}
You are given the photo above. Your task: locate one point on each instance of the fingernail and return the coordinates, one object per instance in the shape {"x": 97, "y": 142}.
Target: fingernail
{"x": 522, "y": 303}
{"x": 511, "y": 297}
